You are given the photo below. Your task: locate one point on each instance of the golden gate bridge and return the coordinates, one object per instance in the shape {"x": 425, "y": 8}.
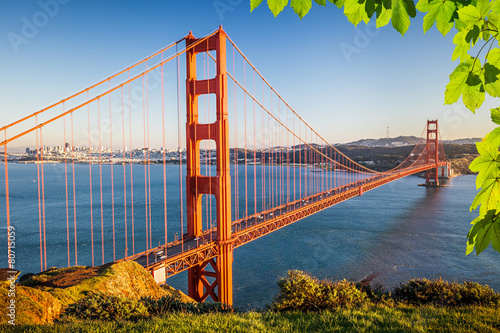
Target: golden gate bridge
{"x": 246, "y": 164}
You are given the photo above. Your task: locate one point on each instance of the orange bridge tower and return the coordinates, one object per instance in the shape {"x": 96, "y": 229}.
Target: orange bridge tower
{"x": 214, "y": 277}
{"x": 431, "y": 177}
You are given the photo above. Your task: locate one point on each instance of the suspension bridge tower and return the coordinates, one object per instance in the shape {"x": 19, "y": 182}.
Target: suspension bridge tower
{"x": 213, "y": 277}
{"x": 432, "y": 175}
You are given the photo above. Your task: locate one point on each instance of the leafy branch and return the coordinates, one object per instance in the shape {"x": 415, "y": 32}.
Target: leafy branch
{"x": 475, "y": 21}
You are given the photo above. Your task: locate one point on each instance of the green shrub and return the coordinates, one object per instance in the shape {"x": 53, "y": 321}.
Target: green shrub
{"x": 439, "y": 292}
{"x": 300, "y": 291}
{"x": 160, "y": 306}
{"x": 376, "y": 293}
{"x": 168, "y": 304}
{"x": 104, "y": 307}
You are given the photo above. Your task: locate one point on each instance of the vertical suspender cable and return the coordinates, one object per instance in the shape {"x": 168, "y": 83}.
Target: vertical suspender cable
{"x": 66, "y": 187}
{"x": 112, "y": 176}
{"x": 43, "y": 204}
{"x": 124, "y": 177}
{"x": 245, "y": 125}
{"x": 39, "y": 195}
{"x": 7, "y": 198}
{"x": 131, "y": 170}
{"x": 254, "y": 153}
{"x": 163, "y": 150}
{"x": 181, "y": 208}
{"x": 74, "y": 188}
{"x": 100, "y": 178}
{"x": 144, "y": 159}
{"x": 149, "y": 164}
{"x": 90, "y": 183}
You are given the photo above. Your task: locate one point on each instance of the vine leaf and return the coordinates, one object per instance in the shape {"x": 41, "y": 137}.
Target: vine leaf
{"x": 321, "y": 2}
{"x": 440, "y": 12}
{"x": 355, "y": 11}
{"x": 402, "y": 10}
{"x": 301, "y": 7}
{"x": 384, "y": 17}
{"x": 465, "y": 81}
{"x": 254, "y": 4}
{"x": 489, "y": 195}
{"x": 485, "y": 163}
{"x": 470, "y": 15}
{"x": 462, "y": 46}
{"x": 483, "y": 6}
{"x": 276, "y": 6}
{"x": 485, "y": 231}
{"x": 491, "y": 72}
{"x": 338, "y": 3}
{"x": 495, "y": 115}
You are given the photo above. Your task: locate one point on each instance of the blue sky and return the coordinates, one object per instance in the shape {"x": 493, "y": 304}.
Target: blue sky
{"x": 388, "y": 80}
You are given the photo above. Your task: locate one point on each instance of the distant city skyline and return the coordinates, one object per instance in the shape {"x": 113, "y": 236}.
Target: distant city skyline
{"x": 347, "y": 82}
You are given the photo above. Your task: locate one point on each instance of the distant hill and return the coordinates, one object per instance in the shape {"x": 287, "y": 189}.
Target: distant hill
{"x": 399, "y": 141}
{"x": 402, "y": 141}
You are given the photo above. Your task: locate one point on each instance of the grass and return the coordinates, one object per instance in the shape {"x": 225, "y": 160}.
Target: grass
{"x": 402, "y": 318}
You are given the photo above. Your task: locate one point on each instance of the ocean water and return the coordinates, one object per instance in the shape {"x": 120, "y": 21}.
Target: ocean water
{"x": 398, "y": 231}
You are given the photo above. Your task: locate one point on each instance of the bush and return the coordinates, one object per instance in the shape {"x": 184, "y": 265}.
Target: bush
{"x": 300, "y": 291}
{"x": 439, "y": 292}
{"x": 168, "y": 304}
{"x": 103, "y": 307}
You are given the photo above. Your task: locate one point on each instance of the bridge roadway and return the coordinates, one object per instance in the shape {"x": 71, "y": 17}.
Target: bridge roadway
{"x": 172, "y": 258}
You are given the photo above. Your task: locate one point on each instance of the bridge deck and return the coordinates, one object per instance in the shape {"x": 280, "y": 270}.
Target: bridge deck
{"x": 172, "y": 258}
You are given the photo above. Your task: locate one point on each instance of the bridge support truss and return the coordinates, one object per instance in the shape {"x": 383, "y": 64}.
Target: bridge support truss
{"x": 216, "y": 281}
{"x": 432, "y": 175}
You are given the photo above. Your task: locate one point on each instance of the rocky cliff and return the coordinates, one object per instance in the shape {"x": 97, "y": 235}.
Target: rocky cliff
{"x": 41, "y": 298}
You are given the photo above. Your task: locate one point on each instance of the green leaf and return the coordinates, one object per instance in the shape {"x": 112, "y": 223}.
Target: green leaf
{"x": 410, "y": 8}
{"x": 370, "y": 7}
{"x": 495, "y": 115}
{"x": 489, "y": 195}
{"x": 400, "y": 16}
{"x": 485, "y": 231}
{"x": 493, "y": 139}
{"x": 469, "y": 15}
{"x": 485, "y": 30}
{"x": 483, "y": 6}
{"x": 485, "y": 163}
{"x": 491, "y": 80}
{"x": 465, "y": 81}
{"x": 423, "y": 6}
{"x": 254, "y": 4}
{"x": 301, "y": 7}
{"x": 472, "y": 34}
{"x": 384, "y": 17}
{"x": 462, "y": 46}
{"x": 276, "y": 6}
{"x": 441, "y": 13}
{"x": 338, "y": 3}
{"x": 355, "y": 12}
{"x": 321, "y": 2}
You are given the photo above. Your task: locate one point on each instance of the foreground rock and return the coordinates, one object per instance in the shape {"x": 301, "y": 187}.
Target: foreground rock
{"x": 41, "y": 298}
